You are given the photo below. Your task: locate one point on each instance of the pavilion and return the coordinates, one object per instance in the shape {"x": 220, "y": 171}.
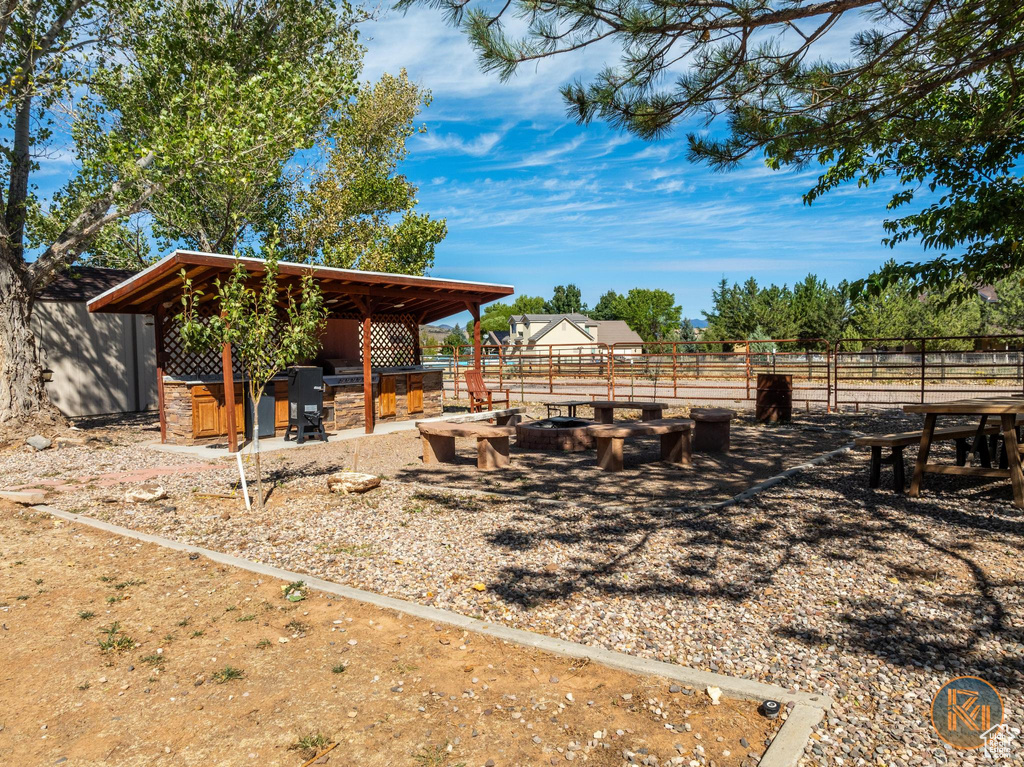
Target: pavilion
{"x": 384, "y": 311}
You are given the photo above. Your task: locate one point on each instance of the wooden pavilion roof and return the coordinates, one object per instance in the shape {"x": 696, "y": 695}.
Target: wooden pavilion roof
{"x": 346, "y": 291}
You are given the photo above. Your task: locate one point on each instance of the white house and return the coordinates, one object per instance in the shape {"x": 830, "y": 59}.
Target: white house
{"x": 570, "y": 334}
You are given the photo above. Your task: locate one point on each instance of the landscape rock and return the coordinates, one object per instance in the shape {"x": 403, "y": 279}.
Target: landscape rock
{"x": 145, "y": 494}
{"x": 39, "y": 442}
{"x": 27, "y": 497}
{"x": 351, "y": 482}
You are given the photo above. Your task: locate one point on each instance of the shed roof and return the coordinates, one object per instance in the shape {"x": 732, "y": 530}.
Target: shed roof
{"x": 346, "y": 291}
{"x": 82, "y": 283}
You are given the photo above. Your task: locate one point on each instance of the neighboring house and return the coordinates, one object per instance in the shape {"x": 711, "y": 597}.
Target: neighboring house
{"x": 98, "y": 363}
{"x": 495, "y": 338}
{"x": 570, "y": 334}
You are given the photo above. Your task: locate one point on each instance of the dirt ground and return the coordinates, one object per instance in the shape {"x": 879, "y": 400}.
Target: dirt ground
{"x": 118, "y": 652}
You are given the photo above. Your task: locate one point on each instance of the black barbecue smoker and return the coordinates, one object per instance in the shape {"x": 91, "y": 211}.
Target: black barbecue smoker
{"x": 305, "y": 403}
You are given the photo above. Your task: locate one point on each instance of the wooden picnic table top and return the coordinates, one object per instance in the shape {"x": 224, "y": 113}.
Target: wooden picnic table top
{"x": 628, "y": 405}
{"x": 971, "y": 406}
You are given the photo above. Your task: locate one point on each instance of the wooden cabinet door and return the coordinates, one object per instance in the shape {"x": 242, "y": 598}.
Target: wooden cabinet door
{"x": 206, "y": 412}
{"x": 414, "y": 393}
{"x": 280, "y": 404}
{"x": 387, "y": 396}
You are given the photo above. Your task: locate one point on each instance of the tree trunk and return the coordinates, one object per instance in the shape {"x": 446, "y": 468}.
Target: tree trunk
{"x": 23, "y": 395}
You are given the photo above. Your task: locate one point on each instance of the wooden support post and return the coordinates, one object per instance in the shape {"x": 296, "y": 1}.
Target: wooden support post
{"x": 922, "y": 455}
{"x": 367, "y": 376}
{"x": 1008, "y": 424}
{"x": 417, "y": 351}
{"x": 229, "y": 396}
{"x": 474, "y": 309}
{"x": 161, "y": 361}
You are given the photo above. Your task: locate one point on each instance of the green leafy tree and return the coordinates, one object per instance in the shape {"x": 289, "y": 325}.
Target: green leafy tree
{"x": 929, "y": 97}
{"x": 264, "y": 338}
{"x": 357, "y": 211}
{"x": 653, "y": 314}
{"x": 495, "y": 317}
{"x": 609, "y": 307}
{"x": 1007, "y": 314}
{"x": 819, "y": 310}
{"x": 566, "y": 299}
{"x": 157, "y": 97}
{"x": 453, "y": 341}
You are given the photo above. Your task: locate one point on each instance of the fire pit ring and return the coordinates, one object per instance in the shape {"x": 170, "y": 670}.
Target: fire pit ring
{"x": 559, "y": 433}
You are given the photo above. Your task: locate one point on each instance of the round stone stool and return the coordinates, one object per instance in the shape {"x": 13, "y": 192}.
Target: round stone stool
{"x": 711, "y": 429}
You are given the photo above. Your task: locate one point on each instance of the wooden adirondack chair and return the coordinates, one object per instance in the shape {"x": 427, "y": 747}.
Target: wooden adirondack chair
{"x": 479, "y": 394}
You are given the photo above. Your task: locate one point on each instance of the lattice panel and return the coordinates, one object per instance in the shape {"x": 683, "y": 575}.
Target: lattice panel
{"x": 184, "y": 364}
{"x": 393, "y": 340}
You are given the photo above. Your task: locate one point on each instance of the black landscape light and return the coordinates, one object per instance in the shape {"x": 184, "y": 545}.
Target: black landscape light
{"x": 770, "y": 709}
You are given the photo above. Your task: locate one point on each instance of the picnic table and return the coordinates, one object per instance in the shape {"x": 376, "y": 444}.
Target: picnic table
{"x": 1006, "y": 408}
{"x": 604, "y": 409}
{"x": 570, "y": 406}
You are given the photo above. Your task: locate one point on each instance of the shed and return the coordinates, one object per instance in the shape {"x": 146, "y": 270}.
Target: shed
{"x": 98, "y": 363}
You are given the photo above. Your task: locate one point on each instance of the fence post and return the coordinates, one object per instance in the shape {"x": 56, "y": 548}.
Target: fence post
{"x": 923, "y": 349}
{"x": 455, "y": 369}
{"x": 828, "y": 377}
{"x": 835, "y": 375}
{"x": 748, "y": 369}
{"x": 610, "y": 372}
{"x": 675, "y": 352}
{"x": 551, "y": 378}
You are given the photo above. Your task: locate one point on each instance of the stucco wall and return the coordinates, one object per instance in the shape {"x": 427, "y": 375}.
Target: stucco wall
{"x": 101, "y": 363}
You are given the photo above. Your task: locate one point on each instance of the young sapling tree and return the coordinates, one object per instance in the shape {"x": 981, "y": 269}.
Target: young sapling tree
{"x": 267, "y": 325}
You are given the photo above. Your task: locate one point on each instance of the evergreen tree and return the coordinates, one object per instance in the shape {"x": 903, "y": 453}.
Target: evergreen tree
{"x": 566, "y": 299}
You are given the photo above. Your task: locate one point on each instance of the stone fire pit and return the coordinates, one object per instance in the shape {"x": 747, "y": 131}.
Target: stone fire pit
{"x": 558, "y": 433}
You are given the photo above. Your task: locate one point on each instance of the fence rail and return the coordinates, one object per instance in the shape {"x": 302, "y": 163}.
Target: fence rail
{"x": 849, "y": 375}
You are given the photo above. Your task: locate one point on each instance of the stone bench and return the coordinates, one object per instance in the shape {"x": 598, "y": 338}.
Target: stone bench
{"x": 674, "y": 433}
{"x": 711, "y": 429}
{"x": 438, "y": 438}
{"x": 505, "y": 416}
{"x": 897, "y": 441}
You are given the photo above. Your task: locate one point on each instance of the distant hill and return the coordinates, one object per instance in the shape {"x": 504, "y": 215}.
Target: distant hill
{"x": 436, "y": 333}
{"x": 699, "y": 323}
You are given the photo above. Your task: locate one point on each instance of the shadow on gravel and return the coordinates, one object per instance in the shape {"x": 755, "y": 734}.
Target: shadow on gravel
{"x": 911, "y": 580}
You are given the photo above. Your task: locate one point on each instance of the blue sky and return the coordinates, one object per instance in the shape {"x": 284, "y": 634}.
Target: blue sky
{"x": 534, "y": 200}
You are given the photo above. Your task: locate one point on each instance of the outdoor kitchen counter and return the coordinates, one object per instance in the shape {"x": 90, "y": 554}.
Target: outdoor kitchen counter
{"x": 196, "y": 413}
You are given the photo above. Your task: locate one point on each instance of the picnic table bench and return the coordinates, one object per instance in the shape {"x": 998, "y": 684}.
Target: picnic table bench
{"x": 604, "y": 410}
{"x": 438, "y": 440}
{"x": 674, "y": 433}
{"x": 503, "y": 417}
{"x": 897, "y": 441}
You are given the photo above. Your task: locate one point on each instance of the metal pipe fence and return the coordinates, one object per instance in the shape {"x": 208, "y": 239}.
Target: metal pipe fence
{"x": 849, "y": 375}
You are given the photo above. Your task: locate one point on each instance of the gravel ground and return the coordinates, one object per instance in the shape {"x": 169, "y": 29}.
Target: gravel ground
{"x": 819, "y": 584}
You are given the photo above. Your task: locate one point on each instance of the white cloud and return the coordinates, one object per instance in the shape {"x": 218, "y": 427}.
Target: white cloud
{"x": 450, "y": 143}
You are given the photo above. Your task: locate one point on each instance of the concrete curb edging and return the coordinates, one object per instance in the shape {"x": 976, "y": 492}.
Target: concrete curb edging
{"x": 750, "y": 492}
{"x": 785, "y": 749}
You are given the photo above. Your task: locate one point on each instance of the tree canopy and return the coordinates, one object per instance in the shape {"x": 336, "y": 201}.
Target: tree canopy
{"x": 929, "y": 97}
{"x": 566, "y": 299}
{"x": 156, "y": 102}
{"x": 814, "y": 311}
